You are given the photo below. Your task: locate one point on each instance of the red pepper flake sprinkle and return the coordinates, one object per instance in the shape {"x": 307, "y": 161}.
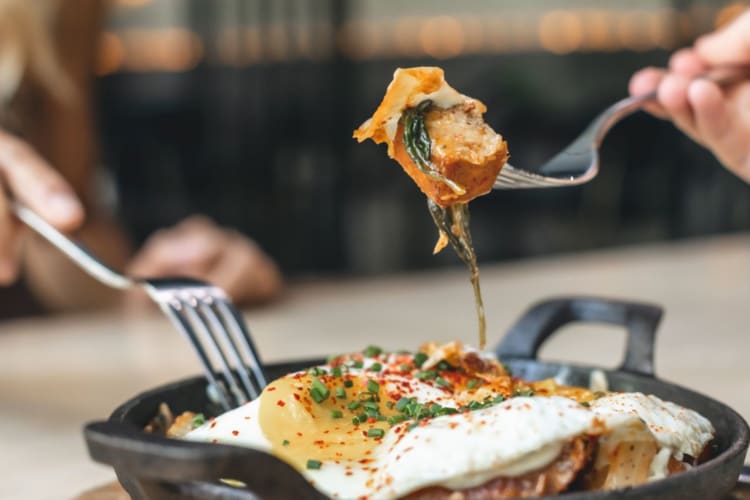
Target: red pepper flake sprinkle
{"x": 280, "y": 403}
{"x": 272, "y": 388}
{"x": 296, "y": 396}
{"x": 213, "y": 424}
{"x": 299, "y": 434}
{"x": 235, "y": 433}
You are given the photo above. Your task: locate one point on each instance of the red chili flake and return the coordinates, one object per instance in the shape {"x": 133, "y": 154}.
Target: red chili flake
{"x": 235, "y": 433}
{"x": 248, "y": 418}
{"x": 214, "y": 441}
{"x": 319, "y": 442}
{"x": 454, "y": 425}
{"x": 213, "y": 424}
{"x": 368, "y": 452}
{"x": 296, "y": 396}
{"x": 280, "y": 403}
{"x": 365, "y": 461}
{"x": 348, "y": 473}
{"x": 371, "y": 420}
{"x": 272, "y": 388}
{"x": 299, "y": 434}
{"x": 364, "y": 433}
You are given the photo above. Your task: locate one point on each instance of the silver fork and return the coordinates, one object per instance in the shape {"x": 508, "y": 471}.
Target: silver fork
{"x": 579, "y": 162}
{"x": 200, "y": 311}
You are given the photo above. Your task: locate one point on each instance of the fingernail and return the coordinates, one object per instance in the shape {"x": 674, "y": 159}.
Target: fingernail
{"x": 64, "y": 206}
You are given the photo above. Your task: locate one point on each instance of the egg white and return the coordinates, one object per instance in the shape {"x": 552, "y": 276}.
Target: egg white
{"x": 464, "y": 450}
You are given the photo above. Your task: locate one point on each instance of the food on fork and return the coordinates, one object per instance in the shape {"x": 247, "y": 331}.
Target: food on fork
{"x": 452, "y": 422}
{"x": 442, "y": 142}
{"x": 437, "y": 135}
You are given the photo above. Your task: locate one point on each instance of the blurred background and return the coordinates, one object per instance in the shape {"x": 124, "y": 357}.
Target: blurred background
{"x": 243, "y": 110}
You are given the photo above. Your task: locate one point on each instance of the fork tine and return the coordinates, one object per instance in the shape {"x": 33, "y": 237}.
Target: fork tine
{"x": 236, "y": 326}
{"x": 208, "y": 310}
{"x": 173, "y": 309}
{"x": 207, "y": 330}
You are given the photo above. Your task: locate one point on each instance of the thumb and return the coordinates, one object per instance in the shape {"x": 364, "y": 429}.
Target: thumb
{"x": 729, "y": 45}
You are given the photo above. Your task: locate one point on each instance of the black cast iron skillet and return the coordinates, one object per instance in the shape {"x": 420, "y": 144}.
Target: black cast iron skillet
{"x": 155, "y": 467}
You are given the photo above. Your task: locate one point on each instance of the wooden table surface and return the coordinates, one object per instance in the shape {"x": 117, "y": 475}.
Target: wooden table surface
{"x": 58, "y": 373}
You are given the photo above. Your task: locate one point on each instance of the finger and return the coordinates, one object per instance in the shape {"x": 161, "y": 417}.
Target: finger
{"x": 644, "y": 82}
{"x": 672, "y": 95}
{"x": 687, "y": 62}
{"x": 246, "y": 273}
{"x": 730, "y": 45}
{"x": 37, "y": 184}
{"x": 178, "y": 251}
{"x": 716, "y": 124}
{"x": 9, "y": 244}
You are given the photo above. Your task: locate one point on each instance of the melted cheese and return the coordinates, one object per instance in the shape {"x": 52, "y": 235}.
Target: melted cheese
{"x": 409, "y": 87}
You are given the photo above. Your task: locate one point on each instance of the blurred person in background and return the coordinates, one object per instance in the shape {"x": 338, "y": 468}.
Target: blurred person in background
{"x": 48, "y": 160}
{"x": 715, "y": 118}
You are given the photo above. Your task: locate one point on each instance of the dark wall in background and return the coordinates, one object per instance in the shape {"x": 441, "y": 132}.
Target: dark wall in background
{"x": 267, "y": 148}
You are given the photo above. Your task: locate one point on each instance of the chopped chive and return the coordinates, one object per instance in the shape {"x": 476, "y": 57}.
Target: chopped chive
{"x": 443, "y": 365}
{"x": 313, "y": 464}
{"x": 426, "y": 375}
{"x": 317, "y": 371}
{"x": 404, "y": 368}
{"x": 376, "y": 367}
{"x": 373, "y": 386}
{"x": 370, "y": 405}
{"x": 357, "y": 364}
{"x": 419, "y": 359}
{"x": 396, "y": 419}
{"x": 375, "y": 432}
{"x": 353, "y": 405}
{"x": 372, "y": 351}
{"x": 389, "y": 404}
{"x": 198, "y": 420}
{"x": 340, "y": 393}
{"x": 337, "y": 414}
{"x": 285, "y": 442}
{"x": 523, "y": 394}
{"x": 472, "y": 383}
{"x": 318, "y": 391}
{"x": 441, "y": 381}
{"x": 336, "y": 371}
{"x": 507, "y": 369}
{"x": 348, "y": 383}
{"x": 586, "y": 404}
{"x": 402, "y": 403}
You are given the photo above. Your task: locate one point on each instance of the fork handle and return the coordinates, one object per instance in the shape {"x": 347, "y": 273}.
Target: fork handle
{"x": 723, "y": 76}
{"x": 74, "y": 250}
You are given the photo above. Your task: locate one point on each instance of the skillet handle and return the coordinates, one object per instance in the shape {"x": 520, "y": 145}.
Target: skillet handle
{"x": 156, "y": 467}
{"x": 546, "y": 317}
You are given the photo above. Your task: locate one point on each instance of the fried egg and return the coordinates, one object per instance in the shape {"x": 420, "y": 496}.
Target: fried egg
{"x": 384, "y": 426}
